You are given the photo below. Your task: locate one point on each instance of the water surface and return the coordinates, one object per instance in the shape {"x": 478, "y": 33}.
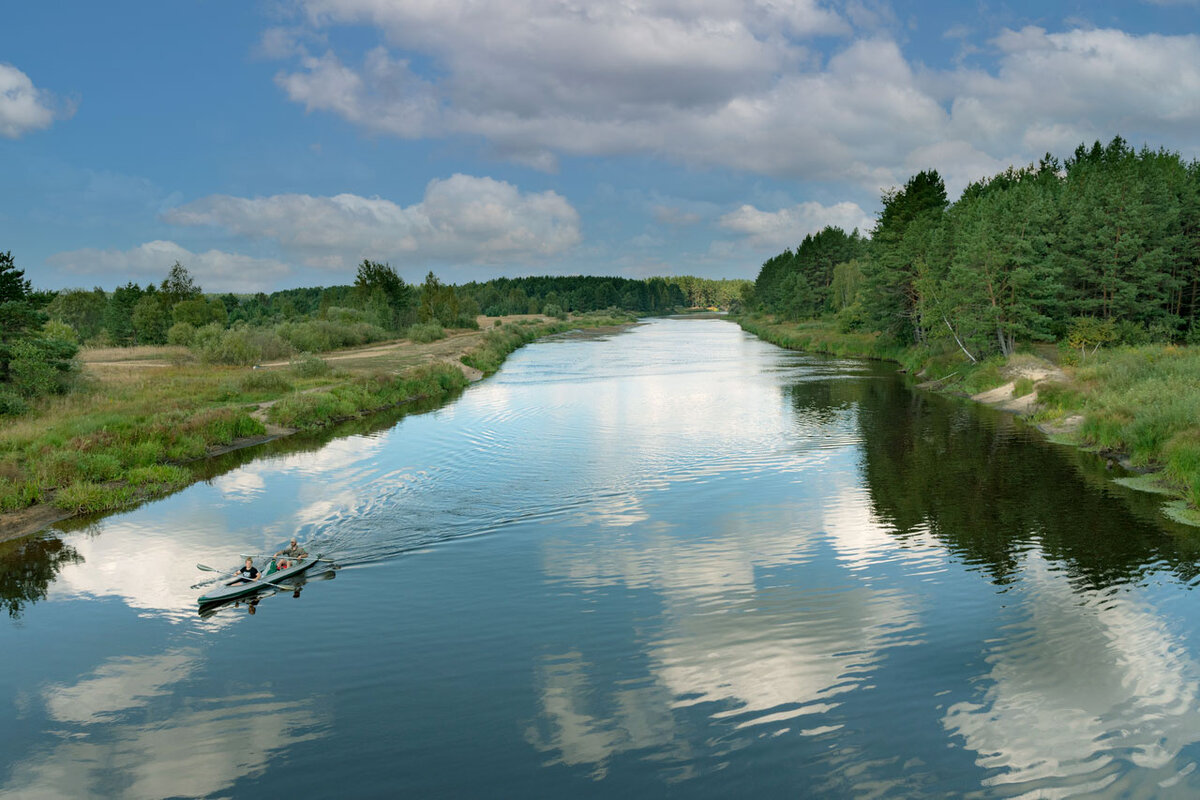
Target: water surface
{"x": 675, "y": 561}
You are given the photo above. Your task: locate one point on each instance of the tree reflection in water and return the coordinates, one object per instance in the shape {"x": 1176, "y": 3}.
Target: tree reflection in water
{"x": 27, "y": 566}
{"x": 988, "y": 488}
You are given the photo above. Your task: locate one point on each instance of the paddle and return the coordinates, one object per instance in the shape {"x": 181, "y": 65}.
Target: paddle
{"x": 297, "y": 558}
{"x": 207, "y": 568}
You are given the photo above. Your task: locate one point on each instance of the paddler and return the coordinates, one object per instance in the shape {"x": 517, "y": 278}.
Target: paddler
{"x": 247, "y": 572}
{"x": 293, "y": 550}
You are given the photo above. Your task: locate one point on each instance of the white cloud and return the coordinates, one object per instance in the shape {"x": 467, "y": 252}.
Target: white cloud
{"x": 1055, "y": 89}
{"x": 24, "y": 107}
{"x": 734, "y": 84}
{"x": 460, "y": 218}
{"x": 788, "y": 226}
{"x": 214, "y": 270}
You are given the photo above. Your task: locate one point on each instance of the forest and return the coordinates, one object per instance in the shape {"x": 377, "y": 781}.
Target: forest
{"x": 1100, "y": 248}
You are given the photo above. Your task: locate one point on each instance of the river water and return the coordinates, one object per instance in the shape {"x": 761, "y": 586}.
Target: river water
{"x": 673, "y": 561}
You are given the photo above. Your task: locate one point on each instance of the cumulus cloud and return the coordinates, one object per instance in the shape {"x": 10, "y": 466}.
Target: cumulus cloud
{"x": 788, "y": 226}
{"x": 460, "y": 218}
{"x": 24, "y": 107}
{"x": 215, "y": 270}
{"x": 1053, "y": 90}
{"x": 739, "y": 84}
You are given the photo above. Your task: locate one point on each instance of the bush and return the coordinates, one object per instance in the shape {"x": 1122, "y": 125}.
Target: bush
{"x": 57, "y": 329}
{"x": 234, "y": 346}
{"x": 181, "y": 334}
{"x": 12, "y": 404}
{"x": 206, "y": 337}
{"x": 425, "y": 332}
{"x": 264, "y": 380}
{"x": 1022, "y": 387}
{"x": 321, "y": 335}
{"x": 308, "y": 365}
{"x": 41, "y": 367}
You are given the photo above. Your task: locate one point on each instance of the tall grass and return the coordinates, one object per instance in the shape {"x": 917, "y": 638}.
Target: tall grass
{"x": 1143, "y": 401}
{"x": 367, "y": 393}
{"x": 817, "y": 336}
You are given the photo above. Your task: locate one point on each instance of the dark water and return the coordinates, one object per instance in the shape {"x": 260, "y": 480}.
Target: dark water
{"x": 672, "y": 562}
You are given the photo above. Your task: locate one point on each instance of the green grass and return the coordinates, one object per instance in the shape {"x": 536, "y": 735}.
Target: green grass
{"x": 86, "y": 497}
{"x": 367, "y": 393}
{"x": 1022, "y": 387}
{"x": 820, "y": 336}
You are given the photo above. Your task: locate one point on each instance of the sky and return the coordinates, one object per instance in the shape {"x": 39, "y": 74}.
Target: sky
{"x": 269, "y": 144}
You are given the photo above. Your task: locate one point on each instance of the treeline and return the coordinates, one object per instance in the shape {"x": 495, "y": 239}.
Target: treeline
{"x": 40, "y": 332}
{"x": 173, "y": 311}
{"x": 552, "y": 295}
{"x": 1102, "y": 247}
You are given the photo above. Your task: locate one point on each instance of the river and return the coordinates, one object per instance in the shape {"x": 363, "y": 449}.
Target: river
{"x": 673, "y": 561}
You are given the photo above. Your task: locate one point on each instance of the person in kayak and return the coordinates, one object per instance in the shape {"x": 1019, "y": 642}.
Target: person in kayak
{"x": 248, "y": 572}
{"x": 293, "y": 550}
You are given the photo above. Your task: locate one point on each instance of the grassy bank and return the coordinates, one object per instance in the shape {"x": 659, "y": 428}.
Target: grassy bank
{"x": 111, "y": 444}
{"x": 1137, "y": 403}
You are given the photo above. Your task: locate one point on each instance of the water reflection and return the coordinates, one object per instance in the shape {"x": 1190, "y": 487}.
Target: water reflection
{"x": 127, "y": 729}
{"x": 1079, "y": 682}
{"x": 737, "y": 639}
{"x": 990, "y": 489}
{"x": 577, "y": 730}
{"x": 27, "y": 567}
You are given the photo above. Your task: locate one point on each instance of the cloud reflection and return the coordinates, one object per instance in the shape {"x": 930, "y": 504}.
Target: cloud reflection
{"x": 733, "y": 640}
{"x": 115, "y": 739}
{"x": 1084, "y": 680}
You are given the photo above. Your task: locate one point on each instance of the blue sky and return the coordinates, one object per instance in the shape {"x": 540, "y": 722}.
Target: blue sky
{"x": 275, "y": 143}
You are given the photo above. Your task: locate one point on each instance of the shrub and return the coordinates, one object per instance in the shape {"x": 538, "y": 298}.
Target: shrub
{"x": 206, "y": 337}
{"x": 12, "y": 404}
{"x": 321, "y": 335}
{"x": 41, "y": 367}
{"x": 308, "y": 365}
{"x": 1022, "y": 387}
{"x": 424, "y": 332}
{"x": 234, "y": 346}
{"x": 57, "y": 329}
{"x": 264, "y": 380}
{"x": 181, "y": 334}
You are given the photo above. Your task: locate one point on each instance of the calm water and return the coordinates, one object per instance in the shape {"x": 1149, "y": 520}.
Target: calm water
{"x": 672, "y": 562}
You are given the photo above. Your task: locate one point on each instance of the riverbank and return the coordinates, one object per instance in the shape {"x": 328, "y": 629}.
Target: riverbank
{"x": 1137, "y": 405}
{"x": 145, "y": 416}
